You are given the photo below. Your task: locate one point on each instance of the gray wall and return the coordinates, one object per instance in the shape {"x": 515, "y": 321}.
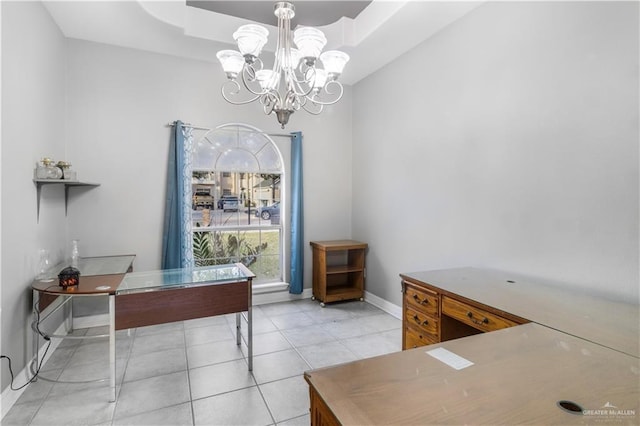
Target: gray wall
{"x": 33, "y": 126}
{"x": 509, "y": 140}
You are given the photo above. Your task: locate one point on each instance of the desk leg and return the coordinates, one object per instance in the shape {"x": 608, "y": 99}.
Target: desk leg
{"x": 69, "y": 316}
{"x": 112, "y": 347}
{"x": 238, "y": 329}
{"x": 34, "y": 327}
{"x": 250, "y": 334}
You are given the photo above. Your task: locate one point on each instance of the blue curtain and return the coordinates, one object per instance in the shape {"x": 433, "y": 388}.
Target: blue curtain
{"x": 177, "y": 243}
{"x": 297, "y": 224}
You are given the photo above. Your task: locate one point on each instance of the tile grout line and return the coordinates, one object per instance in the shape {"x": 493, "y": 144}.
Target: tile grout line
{"x": 186, "y": 361}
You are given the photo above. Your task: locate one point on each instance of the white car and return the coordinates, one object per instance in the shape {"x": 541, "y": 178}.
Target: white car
{"x": 228, "y": 203}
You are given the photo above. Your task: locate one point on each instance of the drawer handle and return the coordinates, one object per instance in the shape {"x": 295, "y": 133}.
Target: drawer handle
{"x": 417, "y": 320}
{"x": 485, "y": 320}
{"x": 421, "y": 302}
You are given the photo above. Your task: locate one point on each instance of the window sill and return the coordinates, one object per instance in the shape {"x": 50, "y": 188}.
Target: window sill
{"x": 262, "y": 288}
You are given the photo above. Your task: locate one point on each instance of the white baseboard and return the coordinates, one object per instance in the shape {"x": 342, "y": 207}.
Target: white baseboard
{"x": 280, "y": 296}
{"x": 383, "y": 304}
{"x": 9, "y": 397}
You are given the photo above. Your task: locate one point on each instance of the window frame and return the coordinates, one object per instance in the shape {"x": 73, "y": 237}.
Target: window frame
{"x": 284, "y": 233}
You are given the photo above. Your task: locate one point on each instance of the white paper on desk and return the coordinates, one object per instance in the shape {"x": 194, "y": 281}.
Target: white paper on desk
{"x": 449, "y": 358}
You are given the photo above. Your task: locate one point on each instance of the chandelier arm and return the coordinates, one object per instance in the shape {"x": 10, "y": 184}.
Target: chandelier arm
{"x": 234, "y": 92}
{"x": 319, "y": 107}
{"x": 249, "y": 76}
{"x": 294, "y": 101}
{"x": 298, "y": 88}
{"x": 316, "y": 100}
{"x": 304, "y": 79}
{"x": 270, "y": 101}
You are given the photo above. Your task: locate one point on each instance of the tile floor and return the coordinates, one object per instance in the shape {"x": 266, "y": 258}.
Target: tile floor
{"x": 192, "y": 372}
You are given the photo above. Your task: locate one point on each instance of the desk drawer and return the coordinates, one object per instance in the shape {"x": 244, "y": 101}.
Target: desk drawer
{"x": 421, "y": 300}
{"x": 416, "y": 337}
{"x": 419, "y": 320}
{"x": 475, "y": 317}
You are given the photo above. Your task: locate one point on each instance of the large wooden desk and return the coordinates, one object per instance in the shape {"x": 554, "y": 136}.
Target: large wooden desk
{"x": 507, "y": 299}
{"x": 139, "y": 299}
{"x": 518, "y": 377}
{"x": 541, "y": 344}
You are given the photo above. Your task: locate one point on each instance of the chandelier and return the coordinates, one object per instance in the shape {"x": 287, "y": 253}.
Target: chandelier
{"x": 304, "y": 77}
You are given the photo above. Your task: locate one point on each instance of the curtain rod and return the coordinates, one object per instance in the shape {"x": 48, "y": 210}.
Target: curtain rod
{"x": 188, "y": 125}
{"x": 284, "y": 135}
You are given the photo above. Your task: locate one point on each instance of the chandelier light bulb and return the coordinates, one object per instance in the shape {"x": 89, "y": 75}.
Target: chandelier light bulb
{"x": 266, "y": 79}
{"x": 320, "y": 79}
{"x": 310, "y": 41}
{"x": 334, "y": 62}
{"x": 251, "y": 39}
{"x": 232, "y": 62}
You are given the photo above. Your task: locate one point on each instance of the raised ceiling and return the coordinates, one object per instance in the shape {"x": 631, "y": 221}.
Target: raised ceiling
{"x": 373, "y": 37}
{"x": 310, "y": 13}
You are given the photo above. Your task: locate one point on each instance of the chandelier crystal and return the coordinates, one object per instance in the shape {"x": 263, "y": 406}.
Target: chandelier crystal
{"x": 304, "y": 77}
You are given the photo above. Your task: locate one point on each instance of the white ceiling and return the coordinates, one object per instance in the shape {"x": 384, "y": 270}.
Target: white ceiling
{"x": 380, "y": 33}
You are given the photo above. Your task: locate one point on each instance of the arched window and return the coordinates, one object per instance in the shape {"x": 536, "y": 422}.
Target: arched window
{"x": 237, "y": 201}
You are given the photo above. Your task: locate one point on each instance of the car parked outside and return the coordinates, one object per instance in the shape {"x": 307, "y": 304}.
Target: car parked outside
{"x": 202, "y": 198}
{"x": 268, "y": 211}
{"x": 228, "y": 203}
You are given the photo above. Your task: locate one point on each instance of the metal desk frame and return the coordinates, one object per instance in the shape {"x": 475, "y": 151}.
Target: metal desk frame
{"x": 118, "y": 297}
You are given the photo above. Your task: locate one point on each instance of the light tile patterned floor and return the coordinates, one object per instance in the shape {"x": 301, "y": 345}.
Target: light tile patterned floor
{"x": 192, "y": 372}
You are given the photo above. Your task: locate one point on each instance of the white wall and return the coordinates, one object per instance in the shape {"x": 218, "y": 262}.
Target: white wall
{"x": 33, "y": 126}
{"x": 510, "y": 141}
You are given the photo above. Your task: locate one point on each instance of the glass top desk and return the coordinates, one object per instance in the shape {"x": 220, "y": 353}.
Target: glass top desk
{"x": 158, "y": 297}
{"x": 140, "y": 299}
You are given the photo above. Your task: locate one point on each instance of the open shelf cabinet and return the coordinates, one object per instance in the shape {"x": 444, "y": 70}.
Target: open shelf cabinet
{"x": 338, "y": 270}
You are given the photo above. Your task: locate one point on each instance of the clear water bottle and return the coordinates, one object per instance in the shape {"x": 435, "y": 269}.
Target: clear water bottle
{"x": 43, "y": 265}
{"x": 75, "y": 255}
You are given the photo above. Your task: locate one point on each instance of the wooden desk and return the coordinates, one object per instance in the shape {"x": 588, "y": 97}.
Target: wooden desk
{"x": 532, "y": 344}
{"x": 520, "y": 299}
{"x": 518, "y": 377}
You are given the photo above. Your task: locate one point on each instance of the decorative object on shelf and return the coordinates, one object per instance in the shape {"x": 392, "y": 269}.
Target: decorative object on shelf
{"x": 75, "y": 254}
{"x": 296, "y": 80}
{"x": 67, "y": 173}
{"x": 47, "y": 170}
{"x": 69, "y": 277}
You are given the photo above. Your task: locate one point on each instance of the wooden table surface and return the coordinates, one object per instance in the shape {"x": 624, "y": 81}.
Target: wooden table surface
{"x": 518, "y": 377}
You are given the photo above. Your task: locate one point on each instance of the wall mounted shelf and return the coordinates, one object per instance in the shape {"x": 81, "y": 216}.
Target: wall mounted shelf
{"x": 67, "y": 184}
